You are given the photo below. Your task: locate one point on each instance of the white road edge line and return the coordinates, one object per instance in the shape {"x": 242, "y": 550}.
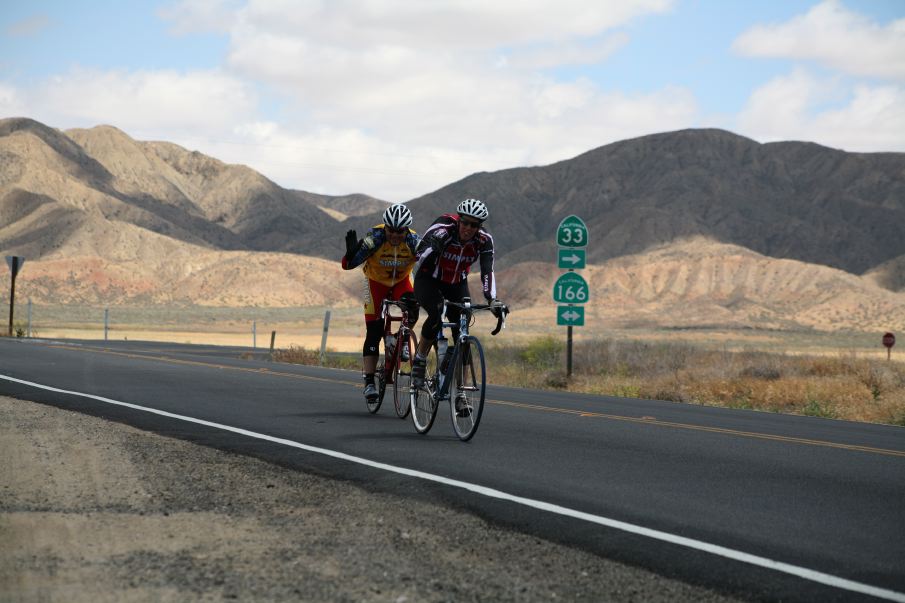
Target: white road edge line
{"x": 794, "y": 570}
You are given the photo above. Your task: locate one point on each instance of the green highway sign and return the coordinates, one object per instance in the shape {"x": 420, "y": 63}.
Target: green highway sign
{"x": 572, "y": 232}
{"x": 570, "y": 316}
{"x": 573, "y": 259}
{"x": 570, "y": 288}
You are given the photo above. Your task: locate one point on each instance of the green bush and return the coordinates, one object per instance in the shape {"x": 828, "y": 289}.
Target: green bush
{"x": 543, "y": 353}
{"x": 816, "y": 408}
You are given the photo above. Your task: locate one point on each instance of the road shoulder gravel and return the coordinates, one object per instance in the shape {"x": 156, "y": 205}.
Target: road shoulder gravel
{"x": 93, "y": 510}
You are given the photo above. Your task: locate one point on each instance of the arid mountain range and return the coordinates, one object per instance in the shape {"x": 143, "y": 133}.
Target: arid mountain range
{"x": 690, "y": 228}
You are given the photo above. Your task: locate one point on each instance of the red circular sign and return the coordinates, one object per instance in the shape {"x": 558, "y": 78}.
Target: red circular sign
{"x": 889, "y": 340}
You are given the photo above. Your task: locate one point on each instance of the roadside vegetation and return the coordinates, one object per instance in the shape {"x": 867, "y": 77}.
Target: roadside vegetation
{"x": 843, "y": 386}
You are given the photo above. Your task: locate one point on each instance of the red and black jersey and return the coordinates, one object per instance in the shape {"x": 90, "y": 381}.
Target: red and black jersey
{"x": 444, "y": 257}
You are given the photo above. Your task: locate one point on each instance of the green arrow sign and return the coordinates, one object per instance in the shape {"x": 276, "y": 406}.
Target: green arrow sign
{"x": 573, "y": 259}
{"x": 572, "y": 232}
{"x": 571, "y": 288}
{"x": 570, "y": 316}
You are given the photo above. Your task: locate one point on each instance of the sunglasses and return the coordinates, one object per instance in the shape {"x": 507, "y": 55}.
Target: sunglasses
{"x": 469, "y": 223}
{"x": 395, "y": 230}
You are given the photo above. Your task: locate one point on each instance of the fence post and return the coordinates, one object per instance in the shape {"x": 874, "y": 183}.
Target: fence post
{"x": 254, "y": 334}
{"x": 106, "y": 322}
{"x": 28, "y": 327}
{"x": 324, "y": 338}
{"x": 273, "y": 336}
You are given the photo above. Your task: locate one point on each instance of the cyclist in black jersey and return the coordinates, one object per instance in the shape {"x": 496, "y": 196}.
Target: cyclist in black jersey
{"x": 444, "y": 257}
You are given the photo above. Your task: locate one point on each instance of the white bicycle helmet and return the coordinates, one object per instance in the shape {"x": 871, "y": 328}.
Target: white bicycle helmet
{"x": 473, "y": 208}
{"x": 397, "y": 216}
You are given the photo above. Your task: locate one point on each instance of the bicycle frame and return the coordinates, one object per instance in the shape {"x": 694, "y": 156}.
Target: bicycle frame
{"x": 465, "y": 370}
{"x": 393, "y": 364}
{"x": 389, "y": 367}
{"x": 468, "y": 309}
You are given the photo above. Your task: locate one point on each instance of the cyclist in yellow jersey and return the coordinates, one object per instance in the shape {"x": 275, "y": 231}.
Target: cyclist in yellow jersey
{"x": 386, "y": 255}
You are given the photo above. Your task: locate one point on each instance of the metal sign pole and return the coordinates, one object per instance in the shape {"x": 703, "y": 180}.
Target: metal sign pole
{"x": 12, "y": 303}
{"x": 889, "y": 340}
{"x": 13, "y": 262}
{"x": 571, "y": 288}
{"x": 569, "y": 353}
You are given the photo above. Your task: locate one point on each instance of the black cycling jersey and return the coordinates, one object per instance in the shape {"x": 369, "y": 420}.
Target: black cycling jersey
{"x": 444, "y": 257}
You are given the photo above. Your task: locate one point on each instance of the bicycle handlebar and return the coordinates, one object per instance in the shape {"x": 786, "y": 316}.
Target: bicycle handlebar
{"x": 385, "y": 307}
{"x": 502, "y": 308}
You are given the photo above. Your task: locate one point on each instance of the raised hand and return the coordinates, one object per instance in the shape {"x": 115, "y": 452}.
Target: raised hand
{"x": 351, "y": 244}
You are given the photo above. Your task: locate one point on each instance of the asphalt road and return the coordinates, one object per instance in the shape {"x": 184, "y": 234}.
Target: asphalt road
{"x": 763, "y": 505}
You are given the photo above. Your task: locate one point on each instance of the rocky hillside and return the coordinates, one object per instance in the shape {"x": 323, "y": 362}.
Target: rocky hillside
{"x": 60, "y": 191}
{"x": 698, "y": 227}
{"x": 704, "y": 283}
{"x": 788, "y": 200}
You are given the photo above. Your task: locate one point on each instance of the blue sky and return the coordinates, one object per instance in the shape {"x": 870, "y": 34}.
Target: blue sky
{"x": 395, "y": 99}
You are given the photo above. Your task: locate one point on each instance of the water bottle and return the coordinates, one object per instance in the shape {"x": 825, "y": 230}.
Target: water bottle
{"x": 447, "y": 358}
{"x": 389, "y": 344}
{"x": 442, "y": 344}
{"x": 442, "y": 352}
{"x": 448, "y": 352}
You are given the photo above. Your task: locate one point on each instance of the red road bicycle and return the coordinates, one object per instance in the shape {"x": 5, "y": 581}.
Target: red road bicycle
{"x": 394, "y": 368}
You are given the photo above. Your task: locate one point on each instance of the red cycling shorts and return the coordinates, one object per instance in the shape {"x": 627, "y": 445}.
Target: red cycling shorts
{"x": 376, "y": 292}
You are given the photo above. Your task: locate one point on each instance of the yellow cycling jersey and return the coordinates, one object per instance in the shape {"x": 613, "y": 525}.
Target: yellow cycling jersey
{"x": 387, "y": 264}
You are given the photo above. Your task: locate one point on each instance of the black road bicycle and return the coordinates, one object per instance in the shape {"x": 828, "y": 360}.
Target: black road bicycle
{"x": 457, "y": 374}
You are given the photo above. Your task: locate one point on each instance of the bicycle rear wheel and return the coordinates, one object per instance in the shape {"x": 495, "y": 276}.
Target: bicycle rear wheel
{"x": 381, "y": 382}
{"x": 402, "y": 384}
{"x": 466, "y": 400}
{"x": 423, "y": 402}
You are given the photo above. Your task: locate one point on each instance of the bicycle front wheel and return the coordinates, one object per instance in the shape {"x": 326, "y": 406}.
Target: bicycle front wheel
{"x": 466, "y": 400}
{"x": 406, "y": 345}
{"x": 423, "y": 400}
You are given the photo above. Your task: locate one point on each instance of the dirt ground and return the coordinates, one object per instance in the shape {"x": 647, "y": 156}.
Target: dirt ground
{"x": 96, "y": 511}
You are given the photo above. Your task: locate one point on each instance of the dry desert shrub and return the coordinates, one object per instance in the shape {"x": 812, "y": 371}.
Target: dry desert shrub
{"x": 842, "y": 387}
{"x": 297, "y": 355}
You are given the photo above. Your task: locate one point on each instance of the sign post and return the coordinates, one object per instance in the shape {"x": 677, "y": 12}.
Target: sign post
{"x": 15, "y": 264}
{"x": 571, "y": 288}
{"x": 889, "y": 340}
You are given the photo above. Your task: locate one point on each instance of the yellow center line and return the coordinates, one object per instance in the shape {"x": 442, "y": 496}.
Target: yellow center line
{"x": 736, "y": 432}
{"x": 580, "y": 413}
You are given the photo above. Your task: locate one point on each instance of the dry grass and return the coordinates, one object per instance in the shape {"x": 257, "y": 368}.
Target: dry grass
{"x": 843, "y": 386}
{"x": 300, "y": 355}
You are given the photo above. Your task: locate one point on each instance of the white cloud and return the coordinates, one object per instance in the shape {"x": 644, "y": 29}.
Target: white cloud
{"x": 191, "y": 16}
{"x": 454, "y": 24}
{"x": 405, "y": 88}
{"x": 793, "y": 107}
{"x": 554, "y": 55}
{"x": 387, "y": 97}
{"x": 11, "y": 102}
{"x": 339, "y": 160}
{"x": 168, "y": 102}
{"x": 835, "y": 37}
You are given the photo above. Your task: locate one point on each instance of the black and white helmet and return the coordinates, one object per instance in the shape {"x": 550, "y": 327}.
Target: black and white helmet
{"x": 397, "y": 216}
{"x": 473, "y": 208}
